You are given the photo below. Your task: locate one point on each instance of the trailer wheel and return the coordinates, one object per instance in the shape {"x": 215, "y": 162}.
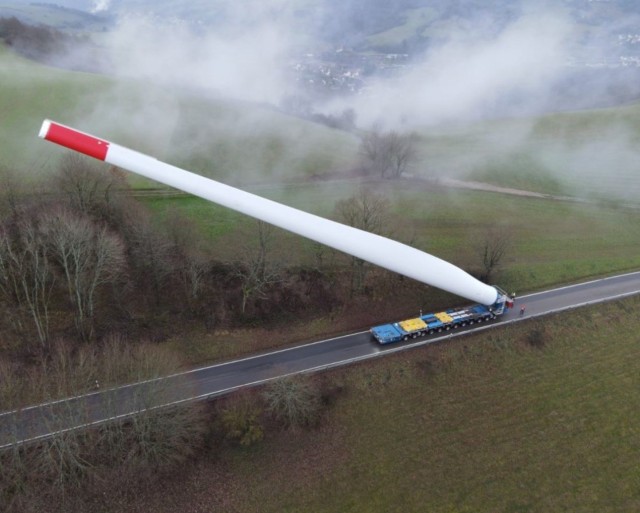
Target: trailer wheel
{"x": 405, "y": 338}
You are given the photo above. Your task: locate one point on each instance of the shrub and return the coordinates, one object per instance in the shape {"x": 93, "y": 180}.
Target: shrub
{"x": 240, "y": 418}
{"x": 295, "y": 401}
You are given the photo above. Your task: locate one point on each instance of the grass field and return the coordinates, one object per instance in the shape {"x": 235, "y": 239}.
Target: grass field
{"x": 491, "y": 426}
{"x": 552, "y": 241}
{"x": 487, "y": 423}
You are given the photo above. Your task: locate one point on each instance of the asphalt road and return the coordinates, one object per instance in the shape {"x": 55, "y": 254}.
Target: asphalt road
{"x": 41, "y": 421}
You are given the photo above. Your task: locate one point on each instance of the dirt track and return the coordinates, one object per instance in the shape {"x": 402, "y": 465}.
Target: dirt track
{"x": 481, "y": 186}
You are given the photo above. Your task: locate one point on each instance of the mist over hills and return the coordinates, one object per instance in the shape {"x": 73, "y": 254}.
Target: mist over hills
{"x": 357, "y": 22}
{"x": 475, "y": 81}
{"x": 406, "y": 63}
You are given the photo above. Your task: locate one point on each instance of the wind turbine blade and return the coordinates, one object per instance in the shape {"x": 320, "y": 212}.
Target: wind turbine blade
{"x": 376, "y": 249}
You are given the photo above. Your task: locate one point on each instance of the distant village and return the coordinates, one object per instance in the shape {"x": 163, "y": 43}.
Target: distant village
{"x": 343, "y": 70}
{"x": 631, "y": 46}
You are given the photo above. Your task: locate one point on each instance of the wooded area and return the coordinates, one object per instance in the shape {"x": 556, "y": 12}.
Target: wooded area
{"x": 91, "y": 283}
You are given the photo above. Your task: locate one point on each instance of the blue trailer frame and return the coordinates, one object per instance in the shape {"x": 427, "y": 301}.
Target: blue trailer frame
{"x": 431, "y": 323}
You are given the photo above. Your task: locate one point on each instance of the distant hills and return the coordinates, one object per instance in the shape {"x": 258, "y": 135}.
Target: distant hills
{"x": 445, "y": 60}
{"x": 363, "y": 24}
{"x": 62, "y": 17}
{"x": 607, "y": 32}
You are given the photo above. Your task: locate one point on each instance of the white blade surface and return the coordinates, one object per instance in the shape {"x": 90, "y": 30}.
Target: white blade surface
{"x": 376, "y": 249}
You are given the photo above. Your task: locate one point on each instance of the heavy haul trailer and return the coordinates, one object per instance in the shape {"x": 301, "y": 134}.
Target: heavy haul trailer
{"x": 431, "y": 323}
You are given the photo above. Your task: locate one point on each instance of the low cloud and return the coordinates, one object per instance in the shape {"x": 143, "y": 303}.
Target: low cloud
{"x": 100, "y": 6}
{"x": 524, "y": 65}
{"x": 473, "y": 75}
{"x": 241, "y": 64}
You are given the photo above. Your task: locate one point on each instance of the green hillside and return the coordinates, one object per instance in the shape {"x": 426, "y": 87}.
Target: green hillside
{"x": 414, "y": 23}
{"x": 587, "y": 153}
{"x": 219, "y": 138}
{"x": 53, "y": 16}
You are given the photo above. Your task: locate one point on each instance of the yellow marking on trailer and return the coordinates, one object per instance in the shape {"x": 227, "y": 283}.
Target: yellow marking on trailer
{"x": 444, "y": 317}
{"x": 411, "y": 325}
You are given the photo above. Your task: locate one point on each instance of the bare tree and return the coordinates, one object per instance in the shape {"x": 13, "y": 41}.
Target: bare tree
{"x": 62, "y": 459}
{"x": 189, "y": 250}
{"x": 368, "y": 211}
{"x": 256, "y": 270}
{"x": 373, "y": 149}
{"x": 160, "y": 437}
{"x": 296, "y": 401}
{"x": 87, "y": 185}
{"x": 87, "y": 255}
{"x": 402, "y": 153}
{"x": 26, "y": 278}
{"x": 192, "y": 274}
{"x": 388, "y": 154}
{"x": 492, "y": 248}
{"x": 152, "y": 257}
{"x": 15, "y": 473}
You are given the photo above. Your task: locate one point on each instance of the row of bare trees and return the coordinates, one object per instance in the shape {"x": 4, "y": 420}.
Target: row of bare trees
{"x": 67, "y": 471}
{"x": 87, "y": 254}
{"x": 71, "y": 467}
{"x": 86, "y": 247}
{"x": 45, "y": 248}
{"x": 59, "y": 247}
{"x": 65, "y": 467}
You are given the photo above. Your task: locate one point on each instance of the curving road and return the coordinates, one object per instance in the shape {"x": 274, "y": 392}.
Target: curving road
{"x": 42, "y": 421}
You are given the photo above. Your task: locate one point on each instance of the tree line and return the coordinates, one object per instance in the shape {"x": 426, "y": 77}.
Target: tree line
{"x": 88, "y": 282}
{"x": 85, "y": 260}
{"x": 75, "y": 470}
{"x": 36, "y": 42}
